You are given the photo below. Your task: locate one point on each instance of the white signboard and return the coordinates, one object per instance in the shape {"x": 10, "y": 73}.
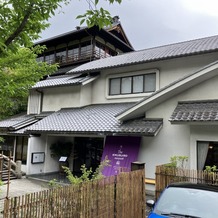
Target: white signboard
{"x": 63, "y": 159}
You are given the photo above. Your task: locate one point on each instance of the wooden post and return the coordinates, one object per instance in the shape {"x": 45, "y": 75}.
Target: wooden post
{"x": 9, "y": 174}
{"x": 1, "y": 166}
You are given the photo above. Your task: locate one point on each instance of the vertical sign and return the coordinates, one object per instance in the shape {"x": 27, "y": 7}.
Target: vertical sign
{"x": 121, "y": 151}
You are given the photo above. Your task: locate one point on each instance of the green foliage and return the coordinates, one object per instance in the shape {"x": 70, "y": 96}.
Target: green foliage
{"x": 87, "y": 174}
{"x": 21, "y": 21}
{"x": 18, "y": 72}
{"x": 97, "y": 17}
{"x": 100, "y": 18}
{"x": 210, "y": 169}
{"x": 53, "y": 184}
{"x": 178, "y": 161}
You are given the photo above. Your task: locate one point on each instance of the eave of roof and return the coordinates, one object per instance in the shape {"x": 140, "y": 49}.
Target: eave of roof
{"x": 195, "y": 112}
{"x": 95, "y": 119}
{"x": 17, "y": 122}
{"x": 182, "y": 49}
{"x": 85, "y": 31}
{"x": 169, "y": 91}
{"x": 65, "y": 80}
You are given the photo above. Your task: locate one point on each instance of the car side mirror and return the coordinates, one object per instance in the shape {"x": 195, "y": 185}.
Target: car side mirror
{"x": 150, "y": 203}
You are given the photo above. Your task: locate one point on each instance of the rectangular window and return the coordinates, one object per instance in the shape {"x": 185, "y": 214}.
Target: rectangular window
{"x": 137, "y": 84}
{"x": 133, "y": 84}
{"x": 73, "y": 53}
{"x": 61, "y": 56}
{"x": 49, "y": 58}
{"x": 115, "y": 86}
{"x": 40, "y": 59}
{"x": 150, "y": 82}
{"x": 126, "y": 85}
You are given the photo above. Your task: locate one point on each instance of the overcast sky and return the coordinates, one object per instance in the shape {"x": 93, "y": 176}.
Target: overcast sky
{"x": 148, "y": 23}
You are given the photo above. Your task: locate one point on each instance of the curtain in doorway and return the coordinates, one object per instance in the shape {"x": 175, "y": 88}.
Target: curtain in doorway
{"x": 202, "y": 151}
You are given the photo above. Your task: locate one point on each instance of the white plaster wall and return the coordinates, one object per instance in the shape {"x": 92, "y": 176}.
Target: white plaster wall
{"x": 169, "y": 71}
{"x": 35, "y": 144}
{"x": 42, "y": 144}
{"x": 177, "y": 139}
{"x": 169, "y": 142}
{"x": 61, "y": 97}
{"x": 96, "y": 92}
{"x": 86, "y": 94}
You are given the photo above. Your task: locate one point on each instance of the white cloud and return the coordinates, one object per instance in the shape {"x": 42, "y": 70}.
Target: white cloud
{"x": 208, "y": 7}
{"x": 149, "y": 23}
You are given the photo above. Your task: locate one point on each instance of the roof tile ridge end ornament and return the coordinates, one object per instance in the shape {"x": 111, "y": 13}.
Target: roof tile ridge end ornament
{"x": 149, "y": 98}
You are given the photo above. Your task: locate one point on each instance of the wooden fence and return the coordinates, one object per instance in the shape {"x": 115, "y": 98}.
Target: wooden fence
{"x": 113, "y": 197}
{"x": 166, "y": 175}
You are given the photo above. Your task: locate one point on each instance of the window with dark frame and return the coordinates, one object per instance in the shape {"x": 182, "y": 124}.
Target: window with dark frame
{"x": 132, "y": 84}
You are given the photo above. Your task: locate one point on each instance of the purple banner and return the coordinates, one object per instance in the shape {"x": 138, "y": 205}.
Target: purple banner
{"x": 121, "y": 151}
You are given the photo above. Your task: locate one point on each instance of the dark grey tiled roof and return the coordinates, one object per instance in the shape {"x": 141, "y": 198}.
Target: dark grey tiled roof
{"x": 61, "y": 35}
{"x": 192, "y": 47}
{"x": 16, "y": 121}
{"x": 19, "y": 123}
{"x": 62, "y": 81}
{"x": 195, "y": 111}
{"x": 94, "y": 119}
{"x": 21, "y": 131}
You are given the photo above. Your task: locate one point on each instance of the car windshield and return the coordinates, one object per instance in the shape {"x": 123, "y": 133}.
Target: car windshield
{"x": 188, "y": 202}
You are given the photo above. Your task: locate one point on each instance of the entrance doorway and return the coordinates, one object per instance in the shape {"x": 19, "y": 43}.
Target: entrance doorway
{"x": 87, "y": 151}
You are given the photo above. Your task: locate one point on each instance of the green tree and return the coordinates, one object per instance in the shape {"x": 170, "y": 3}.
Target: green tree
{"x": 18, "y": 72}
{"x": 21, "y": 22}
{"x": 97, "y": 16}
